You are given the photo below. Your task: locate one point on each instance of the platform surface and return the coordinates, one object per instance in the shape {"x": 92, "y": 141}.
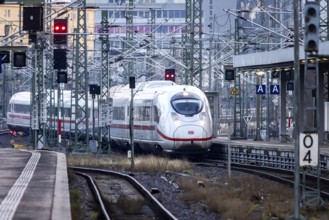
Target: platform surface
{"x": 33, "y": 185}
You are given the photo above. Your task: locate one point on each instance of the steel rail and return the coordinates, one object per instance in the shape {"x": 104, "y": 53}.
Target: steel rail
{"x": 141, "y": 189}
{"x": 264, "y": 172}
{"x": 96, "y": 193}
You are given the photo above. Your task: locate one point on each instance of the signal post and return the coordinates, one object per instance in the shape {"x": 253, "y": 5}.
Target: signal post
{"x": 306, "y": 106}
{"x": 309, "y": 137}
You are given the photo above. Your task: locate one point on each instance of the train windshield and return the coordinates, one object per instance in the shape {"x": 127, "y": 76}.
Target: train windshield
{"x": 187, "y": 106}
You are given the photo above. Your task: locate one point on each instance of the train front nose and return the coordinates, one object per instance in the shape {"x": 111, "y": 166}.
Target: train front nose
{"x": 191, "y": 139}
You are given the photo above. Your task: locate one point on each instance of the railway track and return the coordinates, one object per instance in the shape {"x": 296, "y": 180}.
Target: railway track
{"x": 308, "y": 181}
{"x": 112, "y": 188}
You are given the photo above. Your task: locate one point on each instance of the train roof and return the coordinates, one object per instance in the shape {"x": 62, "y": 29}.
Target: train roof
{"x": 24, "y": 98}
{"x": 148, "y": 90}
{"x": 21, "y": 98}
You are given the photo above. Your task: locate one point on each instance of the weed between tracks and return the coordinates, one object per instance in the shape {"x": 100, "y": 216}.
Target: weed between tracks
{"x": 240, "y": 197}
{"x": 142, "y": 163}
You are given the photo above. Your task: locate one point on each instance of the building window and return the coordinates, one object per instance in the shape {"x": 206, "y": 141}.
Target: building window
{"x": 177, "y": 14}
{"x": 165, "y": 13}
{"x": 171, "y": 13}
{"x": 141, "y": 14}
{"x": 183, "y": 14}
{"x": 159, "y": 14}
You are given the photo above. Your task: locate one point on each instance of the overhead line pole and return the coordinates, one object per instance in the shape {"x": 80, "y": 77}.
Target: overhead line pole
{"x": 80, "y": 95}
{"x": 130, "y": 38}
{"x": 104, "y": 104}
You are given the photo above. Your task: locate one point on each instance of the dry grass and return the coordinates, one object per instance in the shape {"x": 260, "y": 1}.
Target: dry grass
{"x": 76, "y": 211}
{"x": 246, "y": 197}
{"x": 130, "y": 206}
{"x": 241, "y": 197}
{"x": 142, "y": 163}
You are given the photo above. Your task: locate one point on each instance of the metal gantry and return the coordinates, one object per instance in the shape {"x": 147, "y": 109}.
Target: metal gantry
{"x": 237, "y": 126}
{"x": 129, "y": 39}
{"x": 150, "y": 48}
{"x": 39, "y": 95}
{"x": 192, "y": 42}
{"x": 324, "y": 30}
{"x": 104, "y": 102}
{"x": 238, "y": 130}
{"x": 50, "y": 79}
{"x": 80, "y": 113}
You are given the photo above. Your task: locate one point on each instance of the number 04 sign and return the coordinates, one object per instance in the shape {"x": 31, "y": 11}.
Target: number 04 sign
{"x": 308, "y": 149}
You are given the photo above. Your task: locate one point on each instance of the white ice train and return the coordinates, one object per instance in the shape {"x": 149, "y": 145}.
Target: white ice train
{"x": 167, "y": 117}
{"x": 20, "y": 108}
{"x": 18, "y": 113}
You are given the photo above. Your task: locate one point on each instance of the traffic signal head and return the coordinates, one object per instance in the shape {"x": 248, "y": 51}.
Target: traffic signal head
{"x": 32, "y": 19}
{"x": 170, "y": 74}
{"x": 61, "y": 77}
{"x": 19, "y": 59}
{"x": 60, "y": 31}
{"x": 312, "y": 23}
{"x": 229, "y": 74}
{"x": 60, "y": 60}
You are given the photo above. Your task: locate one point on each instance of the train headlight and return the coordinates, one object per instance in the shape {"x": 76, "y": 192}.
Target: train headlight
{"x": 203, "y": 117}
{"x": 175, "y": 118}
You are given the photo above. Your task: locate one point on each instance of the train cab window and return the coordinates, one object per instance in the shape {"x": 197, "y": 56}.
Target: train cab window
{"x": 187, "y": 104}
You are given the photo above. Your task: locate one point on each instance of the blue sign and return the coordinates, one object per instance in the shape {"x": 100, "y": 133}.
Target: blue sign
{"x": 275, "y": 89}
{"x": 260, "y": 89}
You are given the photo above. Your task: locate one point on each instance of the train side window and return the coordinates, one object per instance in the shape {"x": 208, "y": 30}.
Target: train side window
{"x": 118, "y": 113}
{"x": 18, "y": 108}
{"x": 156, "y": 114}
{"x": 67, "y": 112}
{"x": 142, "y": 113}
{"x": 146, "y": 113}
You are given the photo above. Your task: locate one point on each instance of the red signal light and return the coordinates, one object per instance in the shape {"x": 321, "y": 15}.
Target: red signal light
{"x": 170, "y": 74}
{"x": 60, "y": 30}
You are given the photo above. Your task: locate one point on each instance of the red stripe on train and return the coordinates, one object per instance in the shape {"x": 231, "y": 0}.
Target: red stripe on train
{"x": 137, "y": 127}
{"x": 182, "y": 139}
{"x": 19, "y": 116}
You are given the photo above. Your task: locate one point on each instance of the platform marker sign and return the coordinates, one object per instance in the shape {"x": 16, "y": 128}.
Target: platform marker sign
{"x": 274, "y": 89}
{"x": 308, "y": 149}
{"x": 260, "y": 89}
